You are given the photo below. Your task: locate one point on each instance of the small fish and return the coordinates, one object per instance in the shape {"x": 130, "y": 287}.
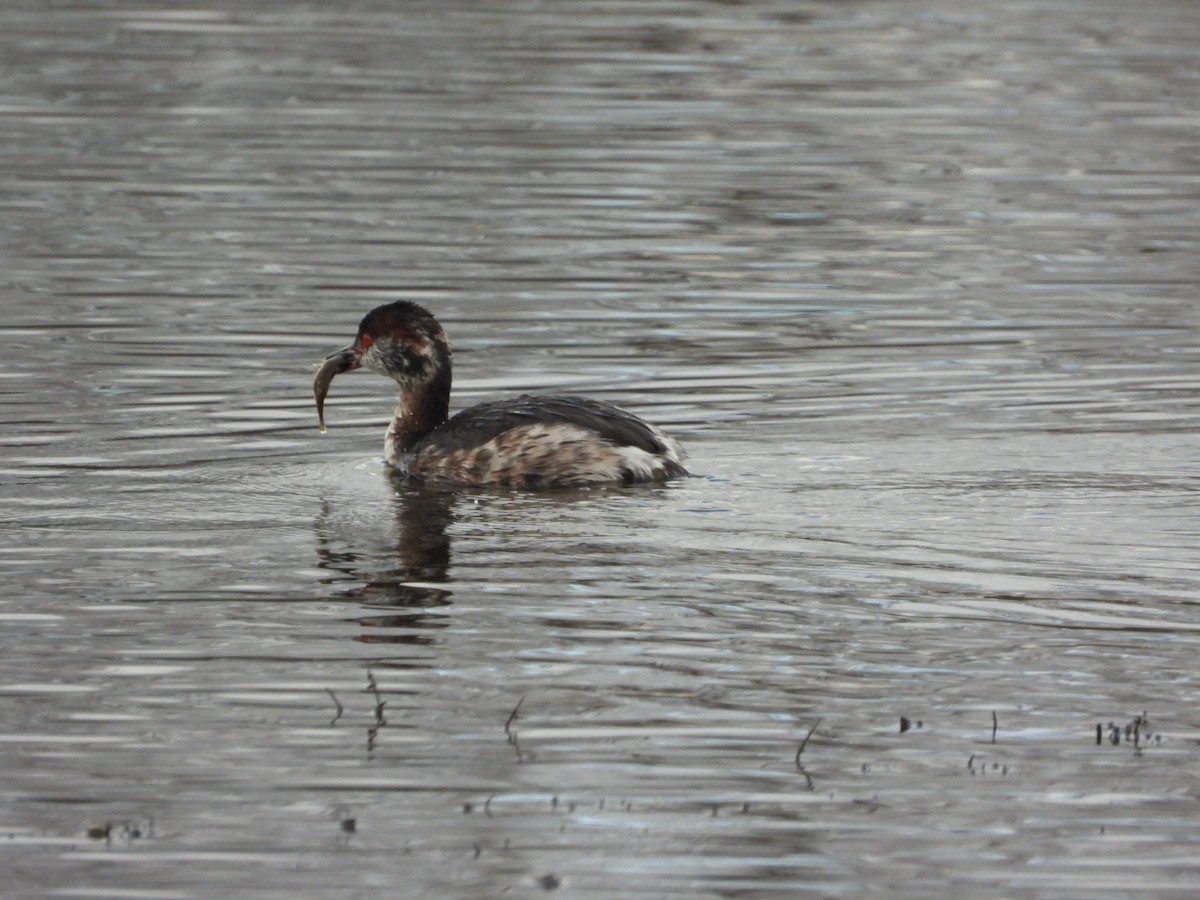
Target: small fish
{"x": 342, "y": 361}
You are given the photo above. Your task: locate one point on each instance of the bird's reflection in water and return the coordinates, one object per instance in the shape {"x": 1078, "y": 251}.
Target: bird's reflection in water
{"x": 400, "y": 580}
{"x": 404, "y": 596}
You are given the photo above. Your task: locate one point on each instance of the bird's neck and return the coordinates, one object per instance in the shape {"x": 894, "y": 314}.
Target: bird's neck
{"x": 420, "y": 409}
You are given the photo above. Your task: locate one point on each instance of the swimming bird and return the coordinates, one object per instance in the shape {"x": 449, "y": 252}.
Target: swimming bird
{"x": 524, "y": 442}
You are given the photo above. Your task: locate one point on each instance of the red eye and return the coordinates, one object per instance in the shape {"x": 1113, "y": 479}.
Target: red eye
{"x": 365, "y": 341}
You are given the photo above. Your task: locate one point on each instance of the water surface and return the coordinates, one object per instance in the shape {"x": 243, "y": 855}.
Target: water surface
{"x": 914, "y": 284}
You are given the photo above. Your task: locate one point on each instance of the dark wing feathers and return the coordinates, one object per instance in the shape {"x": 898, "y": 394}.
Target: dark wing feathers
{"x": 481, "y": 423}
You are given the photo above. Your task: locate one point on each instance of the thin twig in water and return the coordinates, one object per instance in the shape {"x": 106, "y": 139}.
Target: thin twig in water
{"x": 804, "y": 743}
{"x": 511, "y": 718}
{"x": 337, "y": 703}
{"x": 379, "y": 704}
{"x": 994, "y": 724}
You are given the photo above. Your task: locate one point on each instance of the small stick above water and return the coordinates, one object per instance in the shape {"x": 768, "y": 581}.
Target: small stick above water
{"x": 338, "y": 704}
{"x": 512, "y": 717}
{"x": 379, "y": 704}
{"x": 804, "y": 743}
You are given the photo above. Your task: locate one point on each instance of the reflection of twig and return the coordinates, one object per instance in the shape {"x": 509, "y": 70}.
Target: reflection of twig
{"x": 994, "y": 723}
{"x": 337, "y": 703}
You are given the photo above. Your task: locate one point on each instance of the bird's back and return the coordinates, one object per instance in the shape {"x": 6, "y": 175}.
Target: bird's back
{"x": 541, "y": 441}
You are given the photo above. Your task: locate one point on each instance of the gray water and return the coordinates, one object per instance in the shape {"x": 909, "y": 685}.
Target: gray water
{"x": 914, "y": 282}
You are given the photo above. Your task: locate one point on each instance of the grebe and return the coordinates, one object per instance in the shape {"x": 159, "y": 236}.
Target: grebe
{"x": 526, "y": 442}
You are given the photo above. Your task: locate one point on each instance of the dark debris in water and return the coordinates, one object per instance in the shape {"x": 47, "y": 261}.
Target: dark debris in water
{"x": 976, "y": 766}
{"x": 549, "y": 882}
{"x": 1136, "y": 731}
{"x": 128, "y": 831}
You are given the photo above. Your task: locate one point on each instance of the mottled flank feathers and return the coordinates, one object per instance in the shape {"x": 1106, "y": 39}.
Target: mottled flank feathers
{"x": 541, "y": 441}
